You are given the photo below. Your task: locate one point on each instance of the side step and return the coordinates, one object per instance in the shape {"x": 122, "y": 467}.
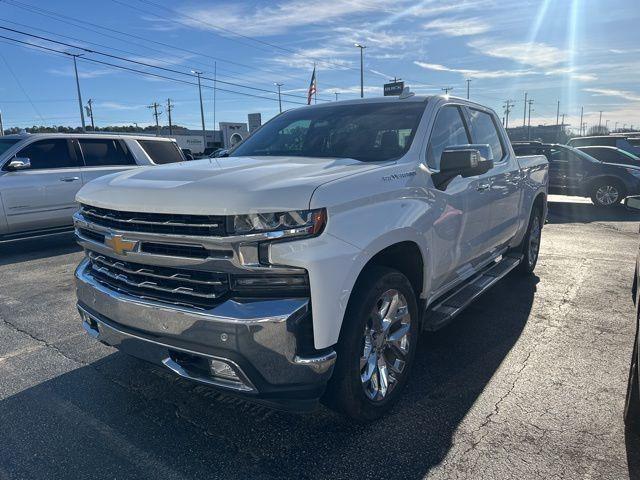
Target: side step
{"x": 451, "y": 304}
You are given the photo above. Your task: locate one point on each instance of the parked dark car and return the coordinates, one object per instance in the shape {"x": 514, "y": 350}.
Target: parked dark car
{"x": 628, "y": 144}
{"x": 612, "y": 155}
{"x": 574, "y": 172}
{"x": 632, "y": 403}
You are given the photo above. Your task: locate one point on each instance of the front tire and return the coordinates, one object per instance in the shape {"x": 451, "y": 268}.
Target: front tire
{"x": 607, "y": 193}
{"x": 377, "y": 345}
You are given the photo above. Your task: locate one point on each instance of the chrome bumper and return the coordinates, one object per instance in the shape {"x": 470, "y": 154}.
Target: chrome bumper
{"x": 255, "y": 337}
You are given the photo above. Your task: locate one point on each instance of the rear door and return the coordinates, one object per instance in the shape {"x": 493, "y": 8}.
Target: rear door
{"x": 103, "y": 156}
{"x": 43, "y": 196}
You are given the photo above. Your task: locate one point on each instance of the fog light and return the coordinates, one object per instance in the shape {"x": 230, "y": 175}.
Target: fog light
{"x": 223, "y": 370}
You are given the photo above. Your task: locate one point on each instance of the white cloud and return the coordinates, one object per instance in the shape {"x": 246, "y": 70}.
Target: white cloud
{"x": 118, "y": 106}
{"x": 82, "y": 72}
{"x": 457, "y": 27}
{"x": 611, "y": 92}
{"x": 535, "y": 54}
{"x": 275, "y": 19}
{"x": 331, "y": 58}
{"x": 475, "y": 73}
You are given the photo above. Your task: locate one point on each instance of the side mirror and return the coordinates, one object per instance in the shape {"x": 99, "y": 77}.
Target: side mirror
{"x": 464, "y": 160}
{"x": 632, "y": 203}
{"x": 18, "y": 164}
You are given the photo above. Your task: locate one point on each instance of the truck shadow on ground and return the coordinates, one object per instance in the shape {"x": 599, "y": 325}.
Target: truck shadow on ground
{"x": 570, "y": 212}
{"x": 37, "y": 248}
{"x": 120, "y": 418}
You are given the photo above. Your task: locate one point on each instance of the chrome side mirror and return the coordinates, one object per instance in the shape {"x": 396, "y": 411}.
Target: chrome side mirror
{"x": 19, "y": 164}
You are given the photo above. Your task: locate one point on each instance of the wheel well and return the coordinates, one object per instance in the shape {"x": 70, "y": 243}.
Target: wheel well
{"x": 405, "y": 257}
{"x": 540, "y": 201}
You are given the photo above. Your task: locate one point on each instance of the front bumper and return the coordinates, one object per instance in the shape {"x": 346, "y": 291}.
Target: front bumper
{"x": 257, "y": 338}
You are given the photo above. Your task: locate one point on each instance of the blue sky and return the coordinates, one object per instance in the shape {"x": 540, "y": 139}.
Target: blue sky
{"x": 581, "y": 52}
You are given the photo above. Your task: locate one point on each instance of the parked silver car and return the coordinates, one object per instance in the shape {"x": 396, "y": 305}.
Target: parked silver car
{"x": 40, "y": 175}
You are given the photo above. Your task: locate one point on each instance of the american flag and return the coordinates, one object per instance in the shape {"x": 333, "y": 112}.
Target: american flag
{"x": 312, "y": 86}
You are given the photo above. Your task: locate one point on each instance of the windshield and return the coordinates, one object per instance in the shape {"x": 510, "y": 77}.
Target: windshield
{"x": 367, "y": 132}
{"x": 6, "y": 144}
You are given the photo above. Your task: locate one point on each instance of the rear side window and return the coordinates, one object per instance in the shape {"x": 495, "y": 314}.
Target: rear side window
{"x": 55, "y": 153}
{"x": 448, "y": 131}
{"x": 104, "y": 152}
{"x": 162, "y": 152}
{"x": 484, "y": 131}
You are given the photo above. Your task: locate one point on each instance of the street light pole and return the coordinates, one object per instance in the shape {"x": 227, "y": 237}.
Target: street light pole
{"x": 361, "y": 47}
{"x": 468, "y": 83}
{"x": 75, "y": 68}
{"x": 204, "y": 135}
{"x": 279, "y": 96}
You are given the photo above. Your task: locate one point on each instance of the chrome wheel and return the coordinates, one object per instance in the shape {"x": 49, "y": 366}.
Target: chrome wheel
{"x": 385, "y": 345}
{"x": 607, "y": 195}
{"x": 534, "y": 240}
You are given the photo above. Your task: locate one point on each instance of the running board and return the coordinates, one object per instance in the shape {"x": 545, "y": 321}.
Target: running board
{"x": 449, "y": 306}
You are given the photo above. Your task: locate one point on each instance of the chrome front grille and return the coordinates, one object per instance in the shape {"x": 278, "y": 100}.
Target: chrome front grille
{"x": 174, "y": 224}
{"x": 167, "y": 284}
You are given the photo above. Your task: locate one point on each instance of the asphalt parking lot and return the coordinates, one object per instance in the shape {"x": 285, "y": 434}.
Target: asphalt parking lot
{"x": 528, "y": 382}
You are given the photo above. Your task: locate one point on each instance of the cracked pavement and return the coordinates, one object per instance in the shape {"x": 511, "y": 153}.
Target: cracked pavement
{"x": 528, "y": 382}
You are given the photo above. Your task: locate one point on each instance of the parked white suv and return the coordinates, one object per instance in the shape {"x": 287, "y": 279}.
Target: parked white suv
{"x": 303, "y": 266}
{"x": 40, "y": 175}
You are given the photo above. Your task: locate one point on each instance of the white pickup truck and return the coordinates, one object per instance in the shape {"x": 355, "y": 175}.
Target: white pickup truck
{"x": 303, "y": 266}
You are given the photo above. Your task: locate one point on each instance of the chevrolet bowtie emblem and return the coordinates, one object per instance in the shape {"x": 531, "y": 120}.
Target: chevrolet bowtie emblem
{"x": 118, "y": 244}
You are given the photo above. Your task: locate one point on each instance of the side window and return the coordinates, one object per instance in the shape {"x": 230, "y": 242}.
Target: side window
{"x": 604, "y": 154}
{"x": 448, "y": 131}
{"x": 484, "y": 130}
{"x": 162, "y": 152}
{"x": 104, "y": 152}
{"x": 55, "y": 153}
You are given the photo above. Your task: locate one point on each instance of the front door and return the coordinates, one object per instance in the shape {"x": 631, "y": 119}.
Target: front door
{"x": 458, "y": 227}
{"x": 42, "y": 196}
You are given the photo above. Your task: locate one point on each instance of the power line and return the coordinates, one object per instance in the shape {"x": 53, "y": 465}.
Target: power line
{"x": 82, "y": 25}
{"x": 138, "y": 62}
{"x": 142, "y": 72}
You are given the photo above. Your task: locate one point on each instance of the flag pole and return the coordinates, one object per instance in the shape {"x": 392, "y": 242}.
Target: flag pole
{"x": 315, "y": 97}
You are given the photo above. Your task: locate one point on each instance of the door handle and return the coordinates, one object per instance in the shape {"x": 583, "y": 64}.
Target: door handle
{"x": 482, "y": 188}
{"x": 69, "y": 179}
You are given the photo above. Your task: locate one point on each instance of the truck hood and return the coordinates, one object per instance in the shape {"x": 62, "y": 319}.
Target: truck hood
{"x": 219, "y": 186}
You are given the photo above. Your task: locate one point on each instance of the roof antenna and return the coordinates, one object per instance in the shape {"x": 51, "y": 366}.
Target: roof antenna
{"x": 406, "y": 93}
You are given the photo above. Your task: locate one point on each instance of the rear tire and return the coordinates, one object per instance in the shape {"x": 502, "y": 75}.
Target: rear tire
{"x": 377, "y": 345}
{"x": 607, "y": 193}
{"x": 632, "y": 403}
{"x": 530, "y": 247}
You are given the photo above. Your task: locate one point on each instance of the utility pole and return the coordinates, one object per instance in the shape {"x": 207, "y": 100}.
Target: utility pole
{"x": 600, "y": 121}
{"x": 446, "y": 90}
{"x": 169, "y": 108}
{"x": 558, "y": 113}
{"x": 75, "y": 68}
{"x": 215, "y": 88}
{"x": 361, "y": 47}
{"x": 89, "y": 108}
{"x": 468, "y": 83}
{"x": 1, "y": 125}
{"x": 336, "y": 94}
{"x": 156, "y": 114}
{"x": 279, "y": 95}
{"x": 507, "y": 109}
{"x": 529, "y": 124}
{"x": 204, "y": 135}
{"x": 524, "y": 120}
{"x": 581, "y": 115}
{"x": 616, "y": 129}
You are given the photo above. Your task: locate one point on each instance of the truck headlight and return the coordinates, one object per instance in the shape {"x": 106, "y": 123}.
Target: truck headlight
{"x": 294, "y": 223}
